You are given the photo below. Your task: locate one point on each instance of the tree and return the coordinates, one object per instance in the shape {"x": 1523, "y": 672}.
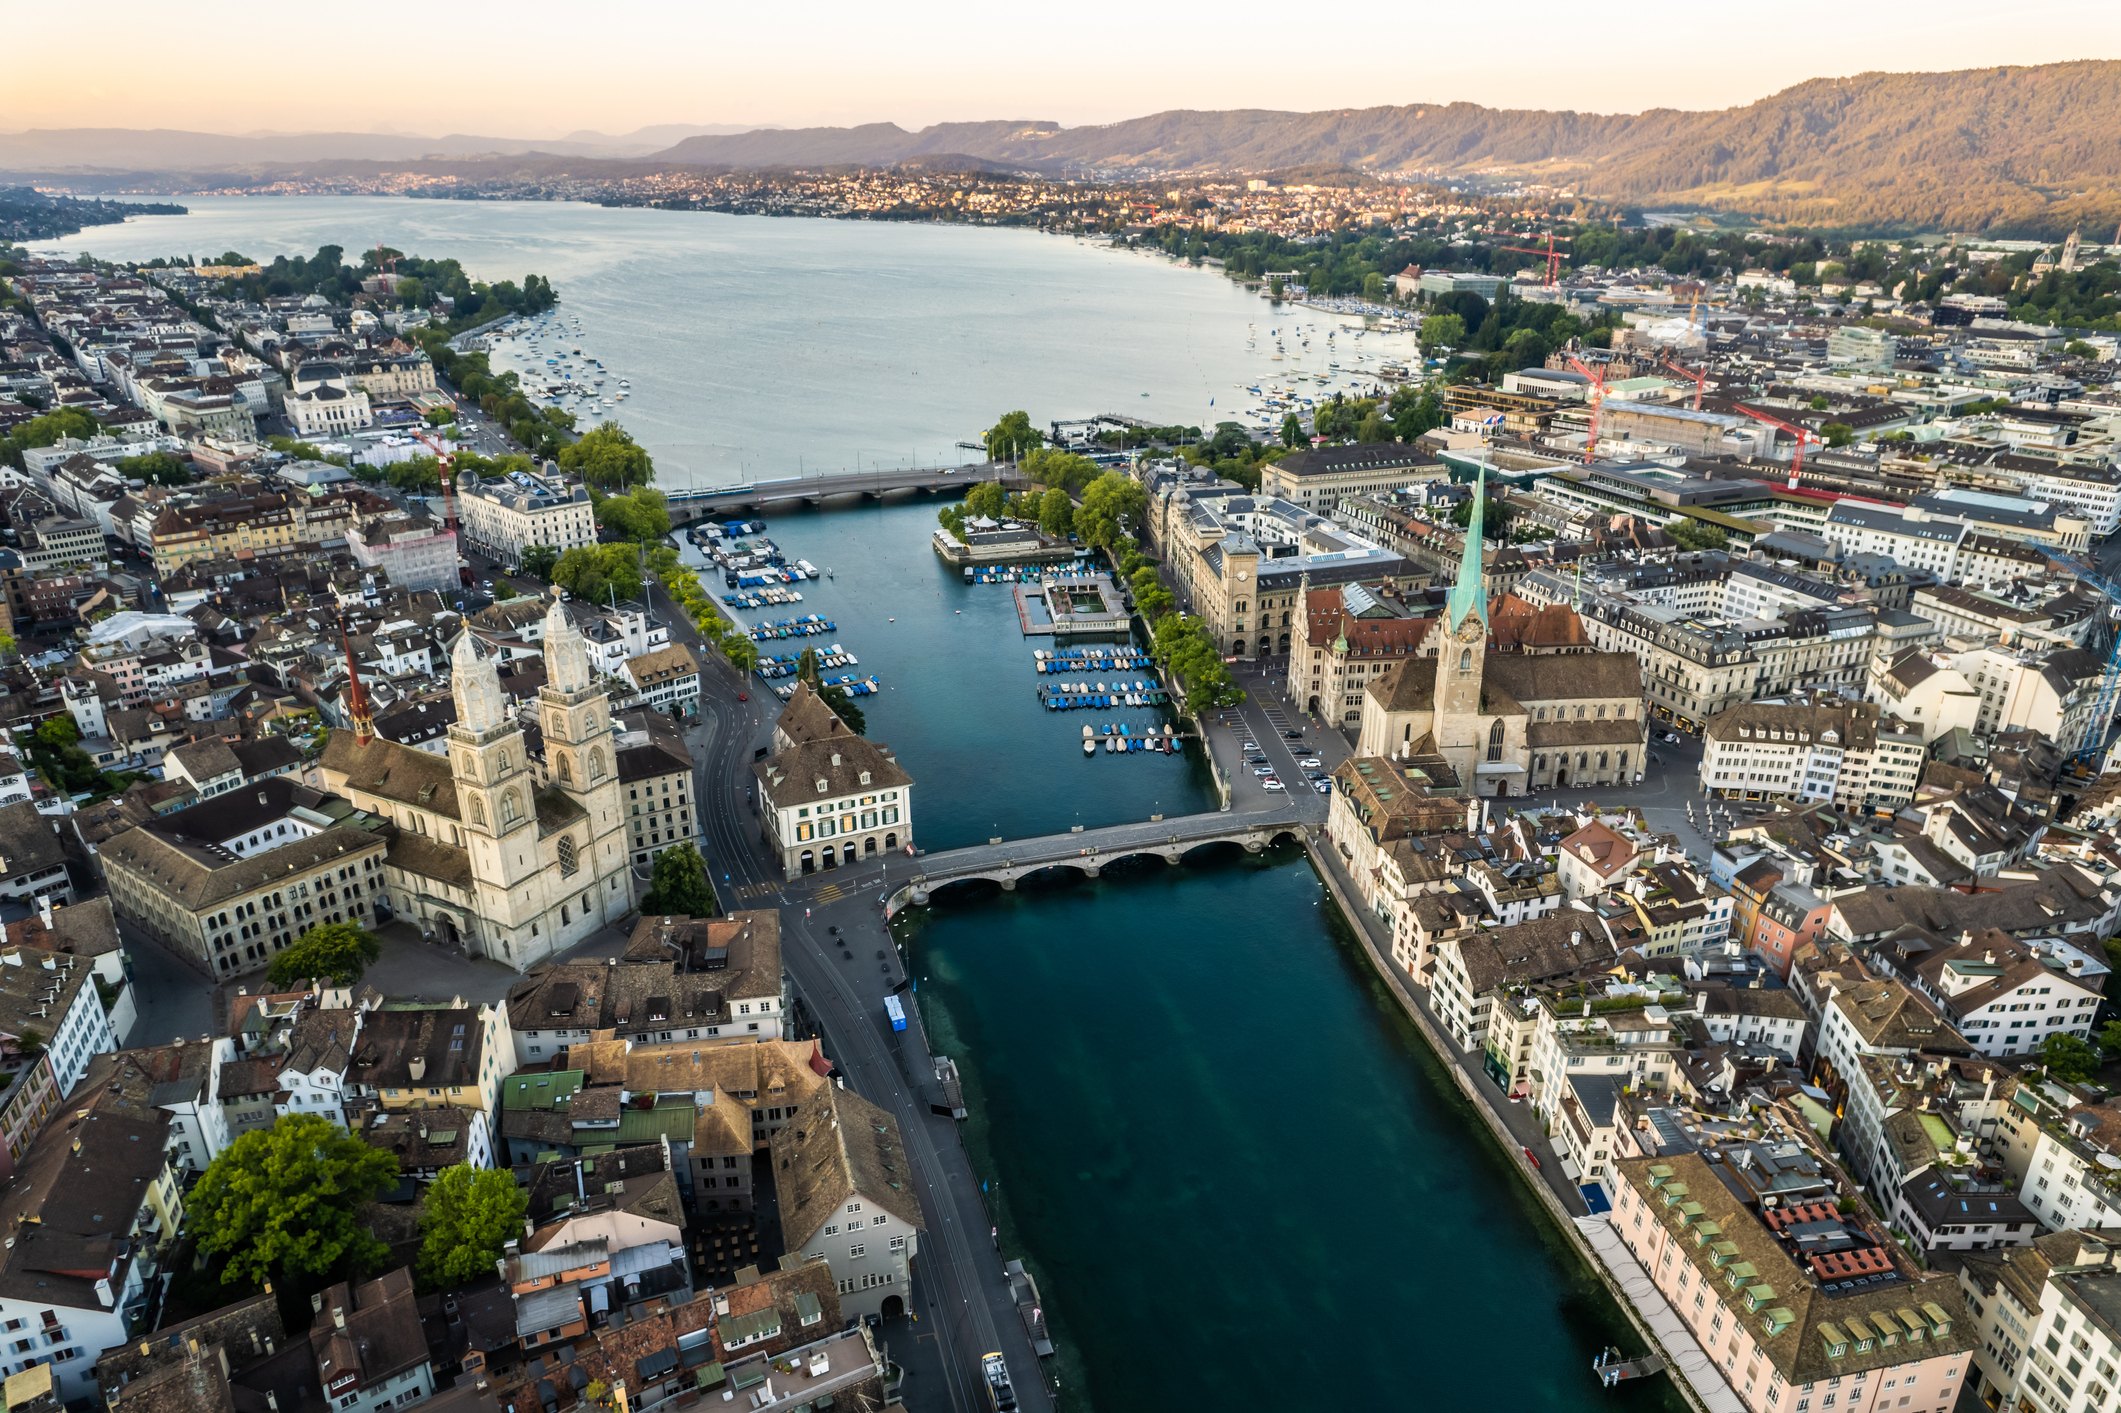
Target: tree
{"x": 606, "y": 456}
{"x": 411, "y": 293}
{"x": 58, "y": 733}
{"x": 2068, "y": 1059}
{"x": 2078, "y": 348}
{"x": 1064, "y": 469}
{"x": 1108, "y": 502}
{"x": 643, "y": 516}
{"x": 465, "y": 1216}
{"x": 596, "y": 572}
{"x": 2110, "y": 1033}
{"x": 1495, "y": 517}
{"x": 157, "y": 468}
{"x": 1056, "y": 513}
{"x": 1819, "y": 403}
{"x": 680, "y": 887}
{"x": 1373, "y": 285}
{"x": 333, "y": 951}
{"x": 1442, "y": 331}
{"x": 1415, "y": 411}
{"x": 1012, "y": 436}
{"x": 539, "y": 559}
{"x": 8, "y": 645}
{"x": 1838, "y": 433}
{"x": 502, "y": 589}
{"x": 439, "y": 416}
{"x": 1373, "y": 428}
{"x": 843, "y": 707}
{"x": 283, "y": 1200}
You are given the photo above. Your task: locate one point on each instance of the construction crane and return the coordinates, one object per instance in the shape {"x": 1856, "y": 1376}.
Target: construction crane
{"x": 445, "y": 463}
{"x": 383, "y": 265}
{"x": 1597, "y": 400}
{"x": 1685, "y": 372}
{"x": 1552, "y": 256}
{"x": 1802, "y": 435}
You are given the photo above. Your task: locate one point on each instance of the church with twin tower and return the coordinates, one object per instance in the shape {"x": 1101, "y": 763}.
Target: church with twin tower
{"x": 483, "y": 855}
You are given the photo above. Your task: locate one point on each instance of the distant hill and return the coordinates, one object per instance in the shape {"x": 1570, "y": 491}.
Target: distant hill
{"x": 174, "y": 150}
{"x": 2034, "y": 148}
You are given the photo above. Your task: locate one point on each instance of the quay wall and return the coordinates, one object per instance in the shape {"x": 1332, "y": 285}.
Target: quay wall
{"x": 1315, "y": 844}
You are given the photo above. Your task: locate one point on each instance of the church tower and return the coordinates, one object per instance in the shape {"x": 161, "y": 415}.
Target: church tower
{"x": 495, "y": 800}
{"x": 1460, "y": 736}
{"x": 581, "y": 760}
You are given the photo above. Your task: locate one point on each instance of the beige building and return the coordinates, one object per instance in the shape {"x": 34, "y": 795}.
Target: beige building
{"x": 843, "y": 1182}
{"x": 828, "y": 797}
{"x": 504, "y": 518}
{"x": 266, "y": 523}
{"x": 323, "y": 402}
{"x": 394, "y": 379}
{"x": 1342, "y": 639}
{"x": 1316, "y": 479}
{"x": 1814, "y": 751}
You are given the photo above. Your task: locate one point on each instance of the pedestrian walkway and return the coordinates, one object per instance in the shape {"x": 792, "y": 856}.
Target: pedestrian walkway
{"x": 1683, "y": 1354}
{"x": 757, "y": 890}
{"x": 830, "y": 893}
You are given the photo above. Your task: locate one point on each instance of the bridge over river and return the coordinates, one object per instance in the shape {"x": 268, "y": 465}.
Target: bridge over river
{"x": 1093, "y": 850}
{"x": 711, "y": 502}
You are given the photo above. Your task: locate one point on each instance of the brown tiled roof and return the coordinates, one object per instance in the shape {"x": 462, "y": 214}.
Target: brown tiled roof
{"x": 838, "y": 1146}
{"x": 1559, "y": 944}
{"x": 392, "y": 772}
{"x": 791, "y": 777}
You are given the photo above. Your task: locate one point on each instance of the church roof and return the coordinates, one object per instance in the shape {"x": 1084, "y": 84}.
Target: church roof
{"x": 1469, "y": 595}
{"x": 390, "y": 771}
{"x": 1566, "y": 676}
{"x": 1515, "y": 624}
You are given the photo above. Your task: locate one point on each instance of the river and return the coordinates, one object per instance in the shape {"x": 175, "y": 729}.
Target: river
{"x": 762, "y": 347}
{"x": 1241, "y": 1179}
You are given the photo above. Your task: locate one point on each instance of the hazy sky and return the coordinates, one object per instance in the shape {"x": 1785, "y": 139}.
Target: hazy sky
{"x": 539, "y": 69}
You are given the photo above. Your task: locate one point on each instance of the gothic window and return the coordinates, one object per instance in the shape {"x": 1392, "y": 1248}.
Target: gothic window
{"x": 504, "y": 762}
{"x": 1465, "y": 660}
{"x": 1495, "y": 741}
{"x": 478, "y": 810}
{"x": 596, "y": 764}
{"x": 564, "y": 771}
{"x": 1579, "y": 713}
{"x": 464, "y": 763}
{"x": 559, "y": 727}
{"x": 511, "y": 808}
{"x": 1540, "y": 715}
{"x": 568, "y": 862}
{"x": 1623, "y": 760}
{"x": 1601, "y": 760}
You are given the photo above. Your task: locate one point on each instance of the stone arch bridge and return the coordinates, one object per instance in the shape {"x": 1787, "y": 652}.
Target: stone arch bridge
{"x": 1093, "y": 850}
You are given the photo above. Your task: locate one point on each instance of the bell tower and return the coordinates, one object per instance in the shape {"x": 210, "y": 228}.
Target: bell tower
{"x": 1462, "y": 662}
{"x": 581, "y": 760}
{"x": 496, "y": 802}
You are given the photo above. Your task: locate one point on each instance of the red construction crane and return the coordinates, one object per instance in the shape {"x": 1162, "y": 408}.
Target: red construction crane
{"x": 1689, "y": 374}
{"x": 1597, "y": 401}
{"x": 1802, "y": 435}
{"x": 385, "y": 266}
{"x": 445, "y": 462}
{"x": 1552, "y": 256}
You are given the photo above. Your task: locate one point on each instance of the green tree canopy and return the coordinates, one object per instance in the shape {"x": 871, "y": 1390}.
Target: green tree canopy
{"x": 1292, "y": 431}
{"x": 1056, "y": 513}
{"x": 642, "y": 516}
{"x": 1012, "y": 436}
{"x": 58, "y": 733}
{"x": 157, "y": 468}
{"x": 466, "y": 1215}
{"x": 842, "y": 703}
{"x": 1442, "y": 331}
{"x": 1838, "y": 433}
{"x": 988, "y": 499}
{"x": 1052, "y": 467}
{"x": 2068, "y": 1059}
{"x": 607, "y": 456}
{"x": 539, "y": 559}
{"x": 331, "y": 951}
{"x": 1108, "y": 503}
{"x": 283, "y": 1199}
{"x": 595, "y": 572}
{"x": 680, "y": 887}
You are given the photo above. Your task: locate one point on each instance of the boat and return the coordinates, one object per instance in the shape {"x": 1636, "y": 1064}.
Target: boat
{"x": 1112, "y": 745}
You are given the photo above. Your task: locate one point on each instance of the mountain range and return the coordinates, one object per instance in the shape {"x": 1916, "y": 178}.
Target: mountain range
{"x": 2033, "y": 150}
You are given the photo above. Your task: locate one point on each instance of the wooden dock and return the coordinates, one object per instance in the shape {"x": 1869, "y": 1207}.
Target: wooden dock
{"x": 1029, "y": 1308}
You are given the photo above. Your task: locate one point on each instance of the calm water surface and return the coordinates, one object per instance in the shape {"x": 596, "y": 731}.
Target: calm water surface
{"x": 761, "y": 347}
{"x": 1242, "y": 1180}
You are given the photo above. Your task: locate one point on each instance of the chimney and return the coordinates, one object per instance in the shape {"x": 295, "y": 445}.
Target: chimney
{"x": 417, "y": 1068}
{"x": 338, "y": 1317}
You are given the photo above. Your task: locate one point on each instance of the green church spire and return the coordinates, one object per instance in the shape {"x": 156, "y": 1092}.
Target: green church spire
{"x": 1469, "y": 595}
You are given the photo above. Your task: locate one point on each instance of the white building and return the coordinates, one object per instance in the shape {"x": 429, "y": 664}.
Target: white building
{"x": 1912, "y": 537}
{"x": 2007, "y": 996}
{"x": 847, "y": 1208}
{"x": 667, "y": 679}
{"x": 828, "y": 796}
{"x": 504, "y": 518}
{"x": 323, "y": 402}
{"x": 417, "y": 553}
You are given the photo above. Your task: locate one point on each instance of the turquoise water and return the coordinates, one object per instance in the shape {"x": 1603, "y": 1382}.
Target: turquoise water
{"x": 1243, "y": 1180}
{"x": 763, "y": 347}
{"x": 958, "y": 701}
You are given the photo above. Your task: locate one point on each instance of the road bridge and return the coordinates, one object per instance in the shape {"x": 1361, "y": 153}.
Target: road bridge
{"x": 710, "y": 502}
{"x": 1093, "y": 850}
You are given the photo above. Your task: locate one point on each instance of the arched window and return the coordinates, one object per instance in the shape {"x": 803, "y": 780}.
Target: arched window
{"x": 1495, "y": 741}
{"x": 511, "y": 808}
{"x": 504, "y": 762}
{"x": 568, "y": 862}
{"x": 1623, "y": 760}
{"x": 596, "y": 764}
{"x": 1465, "y": 660}
{"x": 464, "y": 762}
{"x": 478, "y": 810}
{"x": 563, "y": 769}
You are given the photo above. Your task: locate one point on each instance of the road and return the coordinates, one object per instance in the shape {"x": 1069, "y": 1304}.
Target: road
{"x": 839, "y": 953}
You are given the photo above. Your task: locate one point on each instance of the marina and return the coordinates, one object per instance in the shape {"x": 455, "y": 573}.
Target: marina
{"x": 1075, "y": 696}
{"x": 1074, "y": 606}
{"x": 809, "y": 625}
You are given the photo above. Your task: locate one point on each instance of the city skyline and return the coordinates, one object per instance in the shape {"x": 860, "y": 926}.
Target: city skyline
{"x": 641, "y": 66}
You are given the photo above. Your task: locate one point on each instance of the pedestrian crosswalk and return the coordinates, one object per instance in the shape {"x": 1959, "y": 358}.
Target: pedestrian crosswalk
{"x": 757, "y": 890}
{"x": 830, "y": 893}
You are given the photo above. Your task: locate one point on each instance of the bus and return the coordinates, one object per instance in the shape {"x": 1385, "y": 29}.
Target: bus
{"x": 897, "y": 1012}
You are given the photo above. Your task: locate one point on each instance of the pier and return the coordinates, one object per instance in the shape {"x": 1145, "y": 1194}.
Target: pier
{"x": 1091, "y": 851}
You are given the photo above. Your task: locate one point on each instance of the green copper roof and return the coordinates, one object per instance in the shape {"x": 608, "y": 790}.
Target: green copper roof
{"x": 1469, "y": 594}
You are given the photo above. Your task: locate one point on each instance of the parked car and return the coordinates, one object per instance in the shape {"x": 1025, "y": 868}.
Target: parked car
{"x": 1272, "y": 784}
{"x": 1312, "y": 763}
{"x": 1264, "y": 771}
{"x": 1292, "y": 735}
{"x": 1323, "y": 787}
